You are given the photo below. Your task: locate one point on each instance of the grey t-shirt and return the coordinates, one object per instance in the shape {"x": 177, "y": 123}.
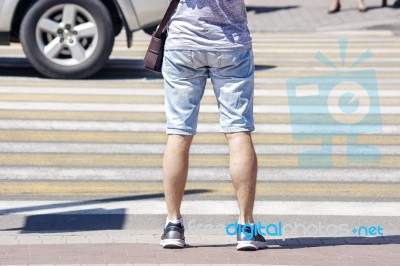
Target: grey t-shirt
{"x": 210, "y": 25}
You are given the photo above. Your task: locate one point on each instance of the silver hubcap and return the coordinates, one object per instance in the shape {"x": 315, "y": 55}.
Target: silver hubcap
{"x": 67, "y": 35}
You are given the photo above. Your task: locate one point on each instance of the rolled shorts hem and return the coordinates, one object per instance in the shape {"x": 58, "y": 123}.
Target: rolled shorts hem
{"x": 180, "y": 132}
{"x": 237, "y": 129}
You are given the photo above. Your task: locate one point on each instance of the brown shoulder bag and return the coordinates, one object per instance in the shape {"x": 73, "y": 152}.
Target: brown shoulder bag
{"x": 155, "y": 53}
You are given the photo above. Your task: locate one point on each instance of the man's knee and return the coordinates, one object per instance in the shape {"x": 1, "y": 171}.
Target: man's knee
{"x": 184, "y": 139}
{"x": 237, "y": 135}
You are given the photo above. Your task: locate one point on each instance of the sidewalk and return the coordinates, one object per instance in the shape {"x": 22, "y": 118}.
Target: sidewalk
{"x": 113, "y": 247}
{"x": 311, "y": 16}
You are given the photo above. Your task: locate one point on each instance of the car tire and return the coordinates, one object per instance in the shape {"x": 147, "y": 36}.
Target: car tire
{"x": 150, "y": 30}
{"x": 67, "y": 39}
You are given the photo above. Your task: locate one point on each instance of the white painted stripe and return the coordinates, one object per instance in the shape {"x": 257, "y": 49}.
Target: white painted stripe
{"x": 337, "y": 60}
{"x": 203, "y": 127}
{"x": 90, "y": 148}
{"x": 199, "y": 174}
{"x": 276, "y": 81}
{"x": 320, "y": 70}
{"x": 160, "y": 108}
{"x": 307, "y": 36}
{"x": 82, "y": 107}
{"x": 273, "y": 92}
{"x": 290, "y": 50}
{"x": 355, "y": 33}
{"x": 263, "y": 44}
{"x": 87, "y": 91}
{"x": 295, "y": 50}
{"x": 159, "y": 82}
{"x": 16, "y": 54}
{"x": 322, "y": 45}
{"x": 209, "y": 207}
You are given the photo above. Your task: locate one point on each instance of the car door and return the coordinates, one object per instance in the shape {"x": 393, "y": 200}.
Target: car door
{"x": 149, "y": 12}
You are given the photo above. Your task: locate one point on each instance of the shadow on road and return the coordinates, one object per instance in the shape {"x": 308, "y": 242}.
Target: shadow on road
{"x": 114, "y": 69}
{"x": 264, "y": 9}
{"x": 82, "y": 220}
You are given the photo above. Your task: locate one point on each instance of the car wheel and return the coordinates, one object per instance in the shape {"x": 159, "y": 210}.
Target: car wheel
{"x": 67, "y": 38}
{"x": 150, "y": 30}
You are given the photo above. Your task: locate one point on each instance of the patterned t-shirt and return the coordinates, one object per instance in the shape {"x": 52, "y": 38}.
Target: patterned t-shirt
{"x": 210, "y": 25}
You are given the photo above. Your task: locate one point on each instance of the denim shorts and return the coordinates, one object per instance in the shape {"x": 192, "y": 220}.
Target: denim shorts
{"x": 185, "y": 75}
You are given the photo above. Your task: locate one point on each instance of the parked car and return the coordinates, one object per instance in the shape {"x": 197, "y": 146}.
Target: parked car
{"x": 74, "y": 38}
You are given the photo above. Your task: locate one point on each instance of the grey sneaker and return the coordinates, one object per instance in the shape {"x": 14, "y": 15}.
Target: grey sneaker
{"x": 173, "y": 236}
{"x": 254, "y": 243}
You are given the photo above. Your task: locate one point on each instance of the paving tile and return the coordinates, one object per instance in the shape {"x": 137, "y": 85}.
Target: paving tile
{"x": 294, "y": 252}
{"x": 41, "y": 264}
{"x": 76, "y": 239}
{"x": 67, "y": 264}
{"x": 249, "y": 264}
{"x": 9, "y": 240}
{"x": 29, "y": 240}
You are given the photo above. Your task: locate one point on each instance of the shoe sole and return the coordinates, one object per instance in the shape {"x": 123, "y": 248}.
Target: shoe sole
{"x": 172, "y": 243}
{"x": 250, "y": 245}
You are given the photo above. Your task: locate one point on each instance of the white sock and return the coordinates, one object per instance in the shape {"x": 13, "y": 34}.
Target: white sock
{"x": 174, "y": 221}
{"x": 247, "y": 223}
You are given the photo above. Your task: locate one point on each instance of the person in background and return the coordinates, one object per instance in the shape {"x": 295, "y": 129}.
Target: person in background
{"x": 335, "y": 6}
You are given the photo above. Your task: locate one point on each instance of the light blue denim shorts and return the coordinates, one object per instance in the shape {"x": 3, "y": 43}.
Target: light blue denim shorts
{"x": 185, "y": 75}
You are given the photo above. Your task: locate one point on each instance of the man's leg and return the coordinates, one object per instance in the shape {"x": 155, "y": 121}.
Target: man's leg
{"x": 175, "y": 170}
{"x": 185, "y": 79}
{"x": 233, "y": 79}
{"x": 243, "y": 170}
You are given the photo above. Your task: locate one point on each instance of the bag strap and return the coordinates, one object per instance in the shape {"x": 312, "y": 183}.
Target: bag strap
{"x": 170, "y": 11}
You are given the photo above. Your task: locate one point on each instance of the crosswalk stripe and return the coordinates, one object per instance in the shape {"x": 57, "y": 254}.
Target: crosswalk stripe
{"x": 208, "y": 108}
{"x": 108, "y": 148}
{"x": 146, "y": 160}
{"x": 312, "y": 129}
{"x": 220, "y": 207}
{"x": 146, "y": 174}
{"x": 145, "y": 99}
{"x": 160, "y": 137}
{"x": 142, "y": 90}
{"x": 292, "y": 74}
{"x": 160, "y": 117}
{"x": 351, "y": 190}
{"x": 277, "y": 84}
{"x": 134, "y": 57}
